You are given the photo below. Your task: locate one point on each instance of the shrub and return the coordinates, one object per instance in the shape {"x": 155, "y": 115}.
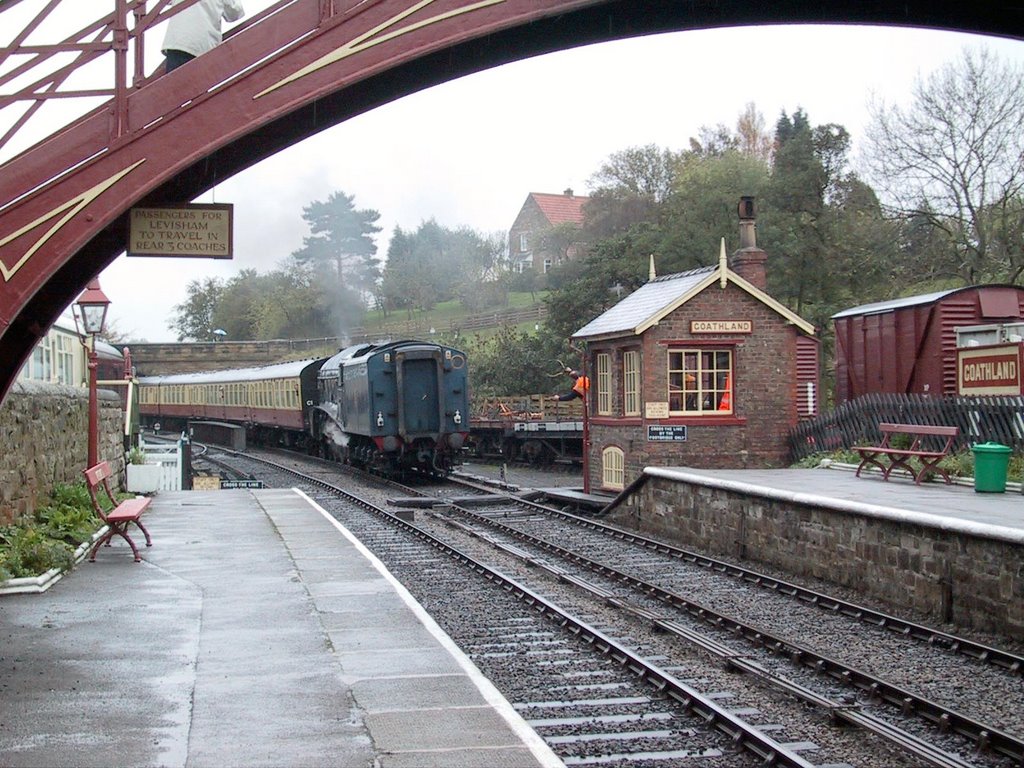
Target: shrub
{"x": 30, "y": 552}
{"x": 33, "y": 545}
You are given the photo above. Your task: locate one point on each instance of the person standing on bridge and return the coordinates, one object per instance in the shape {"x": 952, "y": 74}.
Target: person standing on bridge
{"x": 196, "y": 30}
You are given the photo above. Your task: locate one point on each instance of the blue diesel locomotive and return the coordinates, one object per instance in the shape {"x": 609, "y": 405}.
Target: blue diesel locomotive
{"x": 391, "y": 407}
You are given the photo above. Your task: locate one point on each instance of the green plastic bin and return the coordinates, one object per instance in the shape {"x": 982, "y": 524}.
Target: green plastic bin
{"x": 991, "y": 462}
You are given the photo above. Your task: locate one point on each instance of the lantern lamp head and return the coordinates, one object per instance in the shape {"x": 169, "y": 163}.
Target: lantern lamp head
{"x": 91, "y": 308}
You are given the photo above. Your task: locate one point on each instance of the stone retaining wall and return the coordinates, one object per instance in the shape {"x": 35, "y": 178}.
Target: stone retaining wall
{"x": 43, "y": 441}
{"x": 970, "y": 579}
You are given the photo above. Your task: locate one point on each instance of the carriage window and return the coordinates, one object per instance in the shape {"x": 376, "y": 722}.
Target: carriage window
{"x": 631, "y": 383}
{"x": 612, "y": 468}
{"x": 700, "y": 381}
{"x": 604, "y": 383}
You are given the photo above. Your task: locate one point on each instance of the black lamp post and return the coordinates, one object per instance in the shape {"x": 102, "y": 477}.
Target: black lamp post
{"x": 91, "y": 311}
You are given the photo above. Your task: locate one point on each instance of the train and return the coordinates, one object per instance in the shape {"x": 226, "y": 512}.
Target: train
{"x": 392, "y": 408}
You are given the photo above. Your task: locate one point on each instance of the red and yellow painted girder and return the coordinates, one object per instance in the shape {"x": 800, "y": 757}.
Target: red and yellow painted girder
{"x": 289, "y": 74}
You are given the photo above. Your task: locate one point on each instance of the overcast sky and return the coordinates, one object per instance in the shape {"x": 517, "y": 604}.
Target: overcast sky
{"x": 468, "y": 152}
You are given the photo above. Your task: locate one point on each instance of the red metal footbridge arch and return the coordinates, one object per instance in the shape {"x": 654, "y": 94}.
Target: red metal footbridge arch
{"x": 288, "y": 72}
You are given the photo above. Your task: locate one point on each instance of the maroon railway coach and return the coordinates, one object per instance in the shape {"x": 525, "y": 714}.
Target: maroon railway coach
{"x": 909, "y": 345}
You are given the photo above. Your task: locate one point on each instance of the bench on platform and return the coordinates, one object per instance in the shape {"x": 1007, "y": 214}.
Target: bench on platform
{"x": 899, "y": 458}
{"x": 120, "y": 516}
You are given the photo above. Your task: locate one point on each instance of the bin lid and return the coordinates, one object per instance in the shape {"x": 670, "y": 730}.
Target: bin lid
{"x": 991, "y": 448}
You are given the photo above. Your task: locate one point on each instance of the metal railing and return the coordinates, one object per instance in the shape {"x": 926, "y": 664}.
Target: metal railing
{"x": 980, "y": 420}
{"x": 103, "y": 60}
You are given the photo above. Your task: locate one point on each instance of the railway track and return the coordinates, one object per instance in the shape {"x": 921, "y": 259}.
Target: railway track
{"x": 637, "y": 591}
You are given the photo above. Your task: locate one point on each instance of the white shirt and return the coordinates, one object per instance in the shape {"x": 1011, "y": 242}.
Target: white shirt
{"x": 197, "y": 29}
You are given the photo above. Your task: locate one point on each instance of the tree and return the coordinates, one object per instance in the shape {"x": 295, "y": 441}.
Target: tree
{"x": 342, "y": 235}
{"x": 193, "y": 318}
{"x": 628, "y": 189}
{"x": 954, "y": 160}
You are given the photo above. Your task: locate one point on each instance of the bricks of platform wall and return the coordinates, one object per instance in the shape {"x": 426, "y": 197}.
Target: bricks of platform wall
{"x": 43, "y": 441}
{"x": 891, "y": 560}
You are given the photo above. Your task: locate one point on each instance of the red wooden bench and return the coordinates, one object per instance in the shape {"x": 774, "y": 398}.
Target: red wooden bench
{"x": 899, "y": 458}
{"x": 118, "y": 518}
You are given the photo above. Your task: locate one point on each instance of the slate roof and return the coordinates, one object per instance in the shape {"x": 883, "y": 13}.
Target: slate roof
{"x": 645, "y": 303}
{"x": 661, "y": 296}
{"x": 559, "y": 209}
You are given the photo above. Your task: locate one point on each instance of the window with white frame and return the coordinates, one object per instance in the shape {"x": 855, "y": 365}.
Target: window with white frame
{"x": 631, "y": 383}
{"x": 613, "y": 474}
{"x": 700, "y": 381}
{"x": 604, "y": 383}
{"x": 64, "y": 353}
{"x": 548, "y": 263}
{"x": 524, "y": 243}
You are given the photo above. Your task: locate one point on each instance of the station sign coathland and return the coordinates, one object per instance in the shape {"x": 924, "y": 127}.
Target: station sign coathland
{"x": 721, "y": 326}
{"x": 201, "y": 231}
{"x": 989, "y": 370}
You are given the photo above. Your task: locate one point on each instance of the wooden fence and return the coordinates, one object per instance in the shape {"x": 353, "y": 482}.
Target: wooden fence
{"x": 420, "y": 329}
{"x": 980, "y": 419}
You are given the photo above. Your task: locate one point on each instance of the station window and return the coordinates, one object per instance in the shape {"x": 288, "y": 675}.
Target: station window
{"x": 700, "y": 381}
{"x": 64, "y": 352}
{"x": 631, "y": 383}
{"x": 604, "y": 383}
{"x": 613, "y": 473}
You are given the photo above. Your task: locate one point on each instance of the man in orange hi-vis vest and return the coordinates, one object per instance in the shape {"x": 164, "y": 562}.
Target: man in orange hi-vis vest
{"x": 579, "y": 388}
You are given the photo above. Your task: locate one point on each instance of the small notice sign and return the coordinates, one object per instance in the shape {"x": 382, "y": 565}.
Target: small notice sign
{"x": 656, "y": 410}
{"x": 206, "y": 483}
{"x": 228, "y": 484}
{"x": 673, "y": 433}
{"x": 201, "y": 231}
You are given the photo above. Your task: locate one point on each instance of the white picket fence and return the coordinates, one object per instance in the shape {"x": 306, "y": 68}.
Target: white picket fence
{"x": 162, "y": 470}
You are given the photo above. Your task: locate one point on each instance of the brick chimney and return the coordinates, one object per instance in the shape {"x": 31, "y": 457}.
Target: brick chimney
{"x": 749, "y": 261}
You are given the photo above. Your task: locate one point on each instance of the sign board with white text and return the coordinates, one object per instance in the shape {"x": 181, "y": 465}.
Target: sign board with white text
{"x": 198, "y": 231}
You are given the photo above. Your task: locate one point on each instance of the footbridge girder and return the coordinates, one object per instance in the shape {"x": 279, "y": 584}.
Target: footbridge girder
{"x": 293, "y": 70}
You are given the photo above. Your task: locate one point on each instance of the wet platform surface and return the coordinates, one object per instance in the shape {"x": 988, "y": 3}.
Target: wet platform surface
{"x": 255, "y": 632}
{"x": 931, "y": 504}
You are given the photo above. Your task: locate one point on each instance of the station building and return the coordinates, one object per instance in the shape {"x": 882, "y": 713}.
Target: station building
{"x": 701, "y": 368}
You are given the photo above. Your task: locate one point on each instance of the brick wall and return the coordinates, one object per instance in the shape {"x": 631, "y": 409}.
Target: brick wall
{"x": 972, "y": 580}
{"x": 43, "y": 441}
{"x": 764, "y": 391}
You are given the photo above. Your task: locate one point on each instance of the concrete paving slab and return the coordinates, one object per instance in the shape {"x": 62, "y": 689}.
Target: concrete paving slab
{"x": 242, "y": 639}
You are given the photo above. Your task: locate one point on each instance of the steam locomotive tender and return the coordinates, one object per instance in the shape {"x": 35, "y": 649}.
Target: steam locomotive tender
{"x": 392, "y": 407}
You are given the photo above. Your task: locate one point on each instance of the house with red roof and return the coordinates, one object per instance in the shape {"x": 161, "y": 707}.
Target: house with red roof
{"x": 529, "y": 244}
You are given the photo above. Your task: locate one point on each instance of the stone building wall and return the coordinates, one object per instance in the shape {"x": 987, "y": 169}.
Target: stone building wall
{"x": 44, "y": 441}
{"x": 970, "y": 579}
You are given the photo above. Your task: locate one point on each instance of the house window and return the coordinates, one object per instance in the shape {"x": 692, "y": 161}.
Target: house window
{"x": 65, "y": 354}
{"x": 700, "y": 381}
{"x": 524, "y": 243}
{"x": 613, "y": 474}
{"x": 548, "y": 263}
{"x": 631, "y": 383}
{"x": 604, "y": 383}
